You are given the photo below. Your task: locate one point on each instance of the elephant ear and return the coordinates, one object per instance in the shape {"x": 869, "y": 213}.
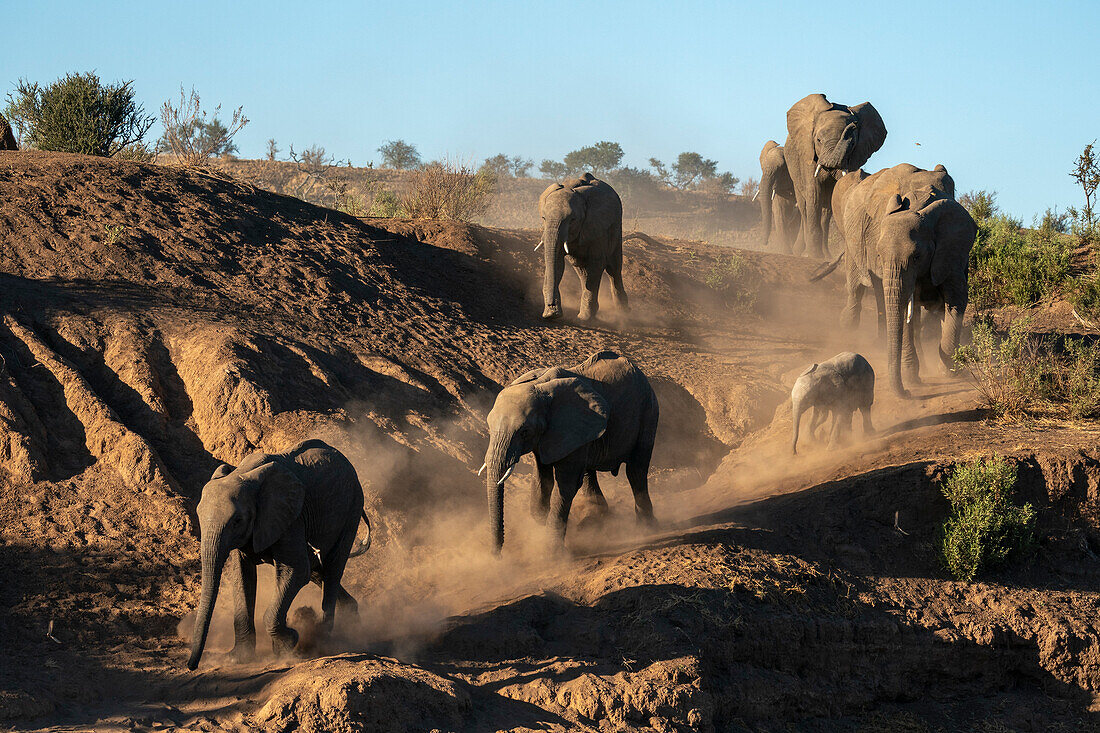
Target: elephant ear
{"x": 872, "y": 134}
{"x": 803, "y": 114}
{"x": 954, "y": 231}
{"x": 811, "y": 370}
{"x": 578, "y": 415}
{"x": 221, "y": 472}
{"x": 529, "y": 376}
{"x": 279, "y": 496}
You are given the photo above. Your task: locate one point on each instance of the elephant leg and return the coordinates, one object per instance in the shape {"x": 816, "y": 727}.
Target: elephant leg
{"x": 242, "y": 579}
{"x": 544, "y": 487}
{"x": 820, "y": 413}
{"x": 590, "y": 487}
{"x": 637, "y": 473}
{"x": 880, "y": 305}
{"x": 868, "y": 428}
{"x": 569, "y": 480}
{"x": 811, "y": 223}
{"x": 615, "y": 270}
{"x": 826, "y": 220}
{"x": 590, "y": 291}
{"x": 292, "y": 565}
{"x": 332, "y": 573}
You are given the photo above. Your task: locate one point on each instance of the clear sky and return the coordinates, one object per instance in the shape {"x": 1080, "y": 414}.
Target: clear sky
{"x": 1005, "y": 94}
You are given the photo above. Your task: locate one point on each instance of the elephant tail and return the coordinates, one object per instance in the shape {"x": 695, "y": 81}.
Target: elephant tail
{"x": 362, "y": 547}
{"x": 826, "y": 269}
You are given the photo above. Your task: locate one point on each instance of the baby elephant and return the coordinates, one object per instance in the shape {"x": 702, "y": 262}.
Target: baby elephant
{"x": 836, "y": 387}
{"x": 300, "y": 511}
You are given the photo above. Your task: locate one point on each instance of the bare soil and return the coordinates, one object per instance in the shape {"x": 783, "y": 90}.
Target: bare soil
{"x": 157, "y": 321}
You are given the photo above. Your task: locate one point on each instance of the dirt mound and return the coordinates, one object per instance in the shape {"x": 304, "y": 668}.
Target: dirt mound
{"x": 360, "y": 693}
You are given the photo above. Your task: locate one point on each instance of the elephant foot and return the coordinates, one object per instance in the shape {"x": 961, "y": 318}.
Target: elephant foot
{"x": 283, "y": 642}
{"x": 647, "y": 520}
{"x": 244, "y": 650}
{"x": 586, "y": 316}
{"x": 913, "y": 378}
{"x": 551, "y": 312}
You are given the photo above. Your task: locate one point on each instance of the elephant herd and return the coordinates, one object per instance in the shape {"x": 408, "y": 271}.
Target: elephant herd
{"x": 905, "y": 237}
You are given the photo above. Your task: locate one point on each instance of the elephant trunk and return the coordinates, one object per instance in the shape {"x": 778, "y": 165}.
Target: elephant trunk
{"x": 213, "y": 560}
{"x": 554, "y": 235}
{"x": 796, "y": 417}
{"x": 764, "y": 193}
{"x": 895, "y": 321}
{"x": 837, "y": 157}
{"x": 496, "y": 471}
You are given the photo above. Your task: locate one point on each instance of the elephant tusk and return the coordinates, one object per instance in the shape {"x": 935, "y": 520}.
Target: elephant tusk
{"x": 506, "y": 475}
{"x": 817, "y": 170}
{"x": 755, "y": 195}
{"x": 481, "y": 470}
{"x": 773, "y": 195}
{"x": 538, "y": 245}
{"x": 909, "y": 309}
{"x": 566, "y": 245}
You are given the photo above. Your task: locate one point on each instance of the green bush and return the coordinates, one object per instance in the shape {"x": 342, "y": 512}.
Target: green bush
{"x": 78, "y": 114}
{"x": 1072, "y": 378}
{"x": 1008, "y": 371}
{"x": 985, "y": 529}
{"x": 731, "y": 276}
{"x": 1009, "y": 266}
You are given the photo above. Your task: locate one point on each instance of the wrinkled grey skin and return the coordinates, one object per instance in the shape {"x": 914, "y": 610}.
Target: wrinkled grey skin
{"x": 592, "y": 417}
{"x": 582, "y": 220}
{"x": 837, "y": 387}
{"x": 824, "y": 140}
{"x": 298, "y": 510}
{"x": 7, "y": 137}
{"x": 777, "y": 201}
{"x": 906, "y": 236}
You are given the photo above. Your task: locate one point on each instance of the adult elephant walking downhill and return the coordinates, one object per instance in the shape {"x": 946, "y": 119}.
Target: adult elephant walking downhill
{"x": 582, "y": 219}
{"x": 825, "y": 140}
{"x": 909, "y": 238}
{"x": 777, "y": 200}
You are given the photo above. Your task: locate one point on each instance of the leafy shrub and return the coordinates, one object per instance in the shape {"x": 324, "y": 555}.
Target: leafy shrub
{"x": 553, "y": 169}
{"x": 502, "y": 166}
{"x": 1073, "y": 378}
{"x": 732, "y": 276}
{"x": 399, "y": 154}
{"x": 986, "y": 528}
{"x": 448, "y": 191}
{"x": 599, "y": 158}
{"x": 982, "y": 204}
{"x": 1013, "y": 267}
{"x": 385, "y": 204}
{"x": 193, "y": 136}
{"x": 78, "y": 114}
{"x": 1006, "y": 372}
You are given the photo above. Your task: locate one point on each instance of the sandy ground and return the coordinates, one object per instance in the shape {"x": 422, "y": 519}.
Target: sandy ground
{"x": 157, "y": 322}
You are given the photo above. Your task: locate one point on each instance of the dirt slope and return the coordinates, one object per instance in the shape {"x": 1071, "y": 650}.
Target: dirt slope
{"x": 156, "y": 322}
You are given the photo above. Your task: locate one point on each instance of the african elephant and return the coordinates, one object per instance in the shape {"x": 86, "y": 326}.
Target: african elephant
{"x": 906, "y": 236}
{"x": 776, "y": 188}
{"x": 582, "y": 219}
{"x": 300, "y": 511}
{"x": 823, "y": 141}
{"x": 837, "y": 387}
{"x": 7, "y": 137}
{"x": 592, "y": 417}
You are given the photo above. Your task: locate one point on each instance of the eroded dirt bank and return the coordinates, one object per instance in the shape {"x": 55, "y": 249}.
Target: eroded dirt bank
{"x": 156, "y": 323}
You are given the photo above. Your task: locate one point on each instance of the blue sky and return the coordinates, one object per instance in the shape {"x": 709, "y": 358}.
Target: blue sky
{"x": 1005, "y": 94}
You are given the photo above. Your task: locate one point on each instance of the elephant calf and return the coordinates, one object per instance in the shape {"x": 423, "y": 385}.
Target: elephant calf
{"x": 300, "y": 511}
{"x": 837, "y": 387}
{"x": 592, "y": 417}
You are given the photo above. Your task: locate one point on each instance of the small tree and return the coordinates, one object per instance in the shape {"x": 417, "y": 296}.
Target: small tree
{"x": 749, "y": 187}
{"x": 193, "y": 135}
{"x": 520, "y": 166}
{"x": 1086, "y": 171}
{"x": 78, "y": 114}
{"x": 692, "y": 168}
{"x": 272, "y": 149}
{"x": 600, "y": 158}
{"x": 399, "y": 154}
{"x": 982, "y": 205}
{"x": 499, "y": 165}
{"x": 553, "y": 169}
{"x": 660, "y": 172}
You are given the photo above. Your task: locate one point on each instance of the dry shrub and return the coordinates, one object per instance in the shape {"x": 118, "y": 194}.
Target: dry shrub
{"x": 192, "y": 135}
{"x": 1019, "y": 375}
{"x": 445, "y": 190}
